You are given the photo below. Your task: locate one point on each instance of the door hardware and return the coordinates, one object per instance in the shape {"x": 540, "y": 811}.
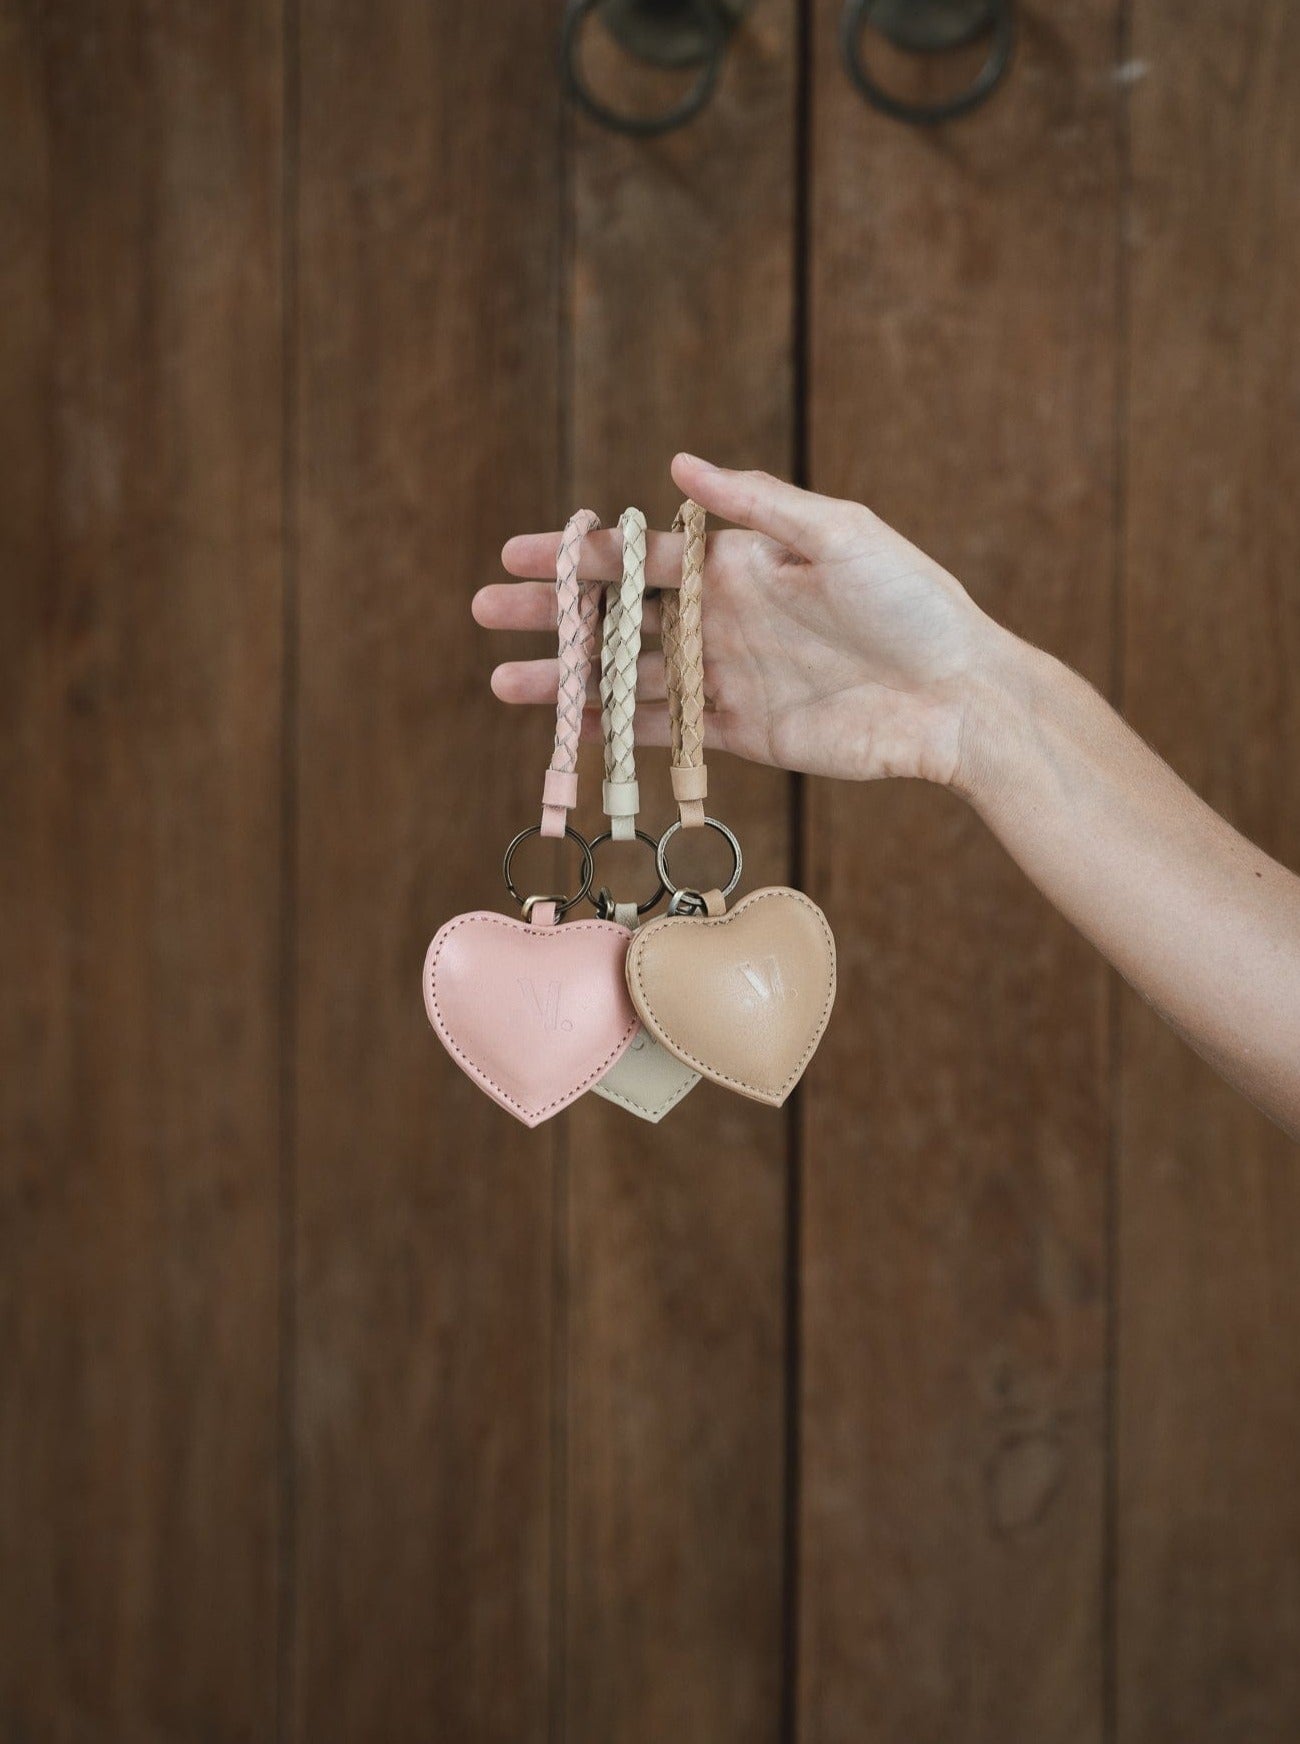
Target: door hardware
{"x": 928, "y": 27}
{"x": 671, "y": 34}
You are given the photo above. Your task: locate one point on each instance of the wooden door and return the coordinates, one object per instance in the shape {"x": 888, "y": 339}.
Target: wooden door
{"x": 957, "y": 1401}
{"x": 141, "y": 912}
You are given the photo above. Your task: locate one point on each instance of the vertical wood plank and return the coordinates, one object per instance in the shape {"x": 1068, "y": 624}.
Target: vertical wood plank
{"x": 1209, "y": 1546}
{"x": 963, "y": 383}
{"x": 140, "y": 497}
{"x": 682, "y": 325}
{"x": 427, "y": 341}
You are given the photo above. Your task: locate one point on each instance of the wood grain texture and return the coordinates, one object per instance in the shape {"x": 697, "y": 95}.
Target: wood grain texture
{"x": 140, "y": 492}
{"x": 427, "y": 337}
{"x": 963, "y": 383}
{"x": 1209, "y": 1289}
{"x": 681, "y": 337}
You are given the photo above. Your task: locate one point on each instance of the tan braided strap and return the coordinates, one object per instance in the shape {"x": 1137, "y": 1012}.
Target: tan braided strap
{"x": 618, "y": 658}
{"x": 682, "y": 633}
{"x": 578, "y": 609}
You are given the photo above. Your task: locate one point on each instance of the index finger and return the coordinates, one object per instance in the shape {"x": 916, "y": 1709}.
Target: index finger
{"x": 532, "y": 556}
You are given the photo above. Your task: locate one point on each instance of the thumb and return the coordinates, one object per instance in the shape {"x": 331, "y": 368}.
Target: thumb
{"x": 798, "y": 519}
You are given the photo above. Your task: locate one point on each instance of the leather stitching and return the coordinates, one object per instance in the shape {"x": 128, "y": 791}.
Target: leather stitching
{"x": 640, "y": 1107}
{"x": 475, "y": 1071}
{"x": 640, "y": 946}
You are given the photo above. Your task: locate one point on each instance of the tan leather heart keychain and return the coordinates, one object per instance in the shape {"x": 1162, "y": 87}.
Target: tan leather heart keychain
{"x": 647, "y": 1080}
{"x": 741, "y": 997}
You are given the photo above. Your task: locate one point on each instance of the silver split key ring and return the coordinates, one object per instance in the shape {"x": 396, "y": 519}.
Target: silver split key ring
{"x": 661, "y": 857}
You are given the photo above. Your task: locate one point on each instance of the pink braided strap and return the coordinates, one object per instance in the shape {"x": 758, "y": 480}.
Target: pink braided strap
{"x": 579, "y": 612}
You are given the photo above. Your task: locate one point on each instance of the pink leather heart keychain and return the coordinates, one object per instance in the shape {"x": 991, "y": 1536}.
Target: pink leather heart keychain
{"x": 743, "y": 998}
{"x": 647, "y": 1080}
{"x": 534, "y": 1012}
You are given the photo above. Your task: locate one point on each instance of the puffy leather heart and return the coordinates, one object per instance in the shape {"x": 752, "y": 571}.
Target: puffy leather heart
{"x": 647, "y": 1080}
{"x": 534, "y": 1014}
{"x": 743, "y": 997}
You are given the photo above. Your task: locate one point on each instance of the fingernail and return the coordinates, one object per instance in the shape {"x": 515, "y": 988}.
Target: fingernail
{"x": 704, "y": 465}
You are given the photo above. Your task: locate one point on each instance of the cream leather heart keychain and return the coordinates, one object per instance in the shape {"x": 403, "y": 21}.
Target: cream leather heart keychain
{"x": 533, "y": 1012}
{"x": 647, "y": 1080}
{"x": 741, "y": 997}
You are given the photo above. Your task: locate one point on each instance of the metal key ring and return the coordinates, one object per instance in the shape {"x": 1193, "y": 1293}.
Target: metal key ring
{"x": 857, "y": 16}
{"x": 564, "y": 903}
{"x": 641, "y": 836}
{"x": 661, "y": 855}
{"x": 643, "y": 126}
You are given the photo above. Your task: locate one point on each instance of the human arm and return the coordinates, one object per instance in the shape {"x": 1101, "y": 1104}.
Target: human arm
{"x": 835, "y": 647}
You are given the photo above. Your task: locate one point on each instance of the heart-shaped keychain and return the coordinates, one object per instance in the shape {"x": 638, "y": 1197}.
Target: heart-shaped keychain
{"x": 743, "y": 998}
{"x": 535, "y": 1013}
{"x": 647, "y": 1080}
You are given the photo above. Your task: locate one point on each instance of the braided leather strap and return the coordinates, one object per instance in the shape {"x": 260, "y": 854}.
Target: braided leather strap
{"x": 618, "y": 658}
{"x": 682, "y": 634}
{"x": 579, "y": 608}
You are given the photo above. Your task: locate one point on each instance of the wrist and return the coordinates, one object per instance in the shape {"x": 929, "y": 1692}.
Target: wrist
{"x": 1001, "y": 697}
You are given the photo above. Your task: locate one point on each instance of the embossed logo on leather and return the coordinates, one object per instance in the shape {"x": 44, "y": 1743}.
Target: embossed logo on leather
{"x": 770, "y": 963}
{"x": 765, "y": 982}
{"x": 546, "y": 1007}
{"x": 534, "y": 1015}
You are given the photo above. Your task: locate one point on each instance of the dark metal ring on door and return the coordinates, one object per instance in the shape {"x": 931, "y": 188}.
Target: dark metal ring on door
{"x": 929, "y": 27}
{"x": 709, "y": 24}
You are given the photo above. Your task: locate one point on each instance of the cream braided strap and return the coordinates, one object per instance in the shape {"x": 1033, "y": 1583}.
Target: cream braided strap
{"x": 578, "y": 609}
{"x": 618, "y": 659}
{"x": 682, "y": 634}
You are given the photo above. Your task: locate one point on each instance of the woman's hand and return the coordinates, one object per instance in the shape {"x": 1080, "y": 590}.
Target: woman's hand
{"x": 834, "y": 647}
{"x": 831, "y": 645}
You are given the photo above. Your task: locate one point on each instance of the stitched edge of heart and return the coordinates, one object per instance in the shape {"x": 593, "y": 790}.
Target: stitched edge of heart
{"x": 691, "y": 1059}
{"x": 533, "y": 1116}
{"x": 639, "y": 1109}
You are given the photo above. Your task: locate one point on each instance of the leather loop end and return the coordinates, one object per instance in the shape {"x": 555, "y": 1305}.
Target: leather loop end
{"x": 691, "y": 812}
{"x": 542, "y": 914}
{"x": 622, "y": 799}
{"x": 692, "y": 783}
{"x": 554, "y": 818}
{"x": 560, "y": 788}
{"x": 714, "y": 902}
